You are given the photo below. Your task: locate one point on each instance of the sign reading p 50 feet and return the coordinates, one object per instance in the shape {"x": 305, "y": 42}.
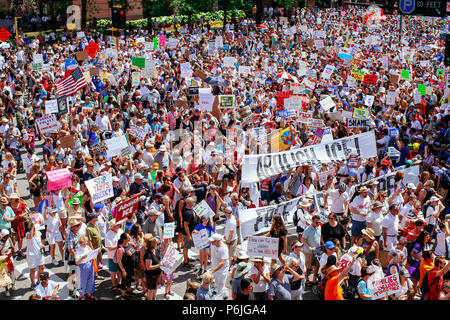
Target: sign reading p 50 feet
{"x": 430, "y": 8}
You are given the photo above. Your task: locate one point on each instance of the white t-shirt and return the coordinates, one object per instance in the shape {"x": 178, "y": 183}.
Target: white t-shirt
{"x": 217, "y": 255}
{"x": 82, "y": 251}
{"x": 338, "y": 200}
{"x": 441, "y": 241}
{"x": 262, "y": 285}
{"x": 376, "y": 220}
{"x": 323, "y": 261}
{"x": 429, "y": 216}
{"x": 52, "y": 223}
{"x": 230, "y": 225}
{"x": 45, "y": 291}
{"x": 404, "y": 211}
{"x": 111, "y": 241}
{"x": 362, "y": 205}
{"x": 34, "y": 245}
{"x": 390, "y": 222}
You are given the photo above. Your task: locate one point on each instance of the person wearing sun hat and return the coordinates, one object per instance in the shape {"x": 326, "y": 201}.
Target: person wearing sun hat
{"x": 359, "y": 208}
{"x": 219, "y": 264}
{"x": 112, "y": 237}
{"x": 374, "y": 219}
{"x": 369, "y": 244}
{"x": 242, "y": 270}
{"x": 280, "y": 285}
{"x": 335, "y": 278}
{"x": 260, "y": 275}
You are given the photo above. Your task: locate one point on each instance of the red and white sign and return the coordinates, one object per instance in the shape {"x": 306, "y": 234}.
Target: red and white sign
{"x": 92, "y": 49}
{"x": 127, "y": 208}
{"x": 386, "y": 286}
{"x": 4, "y": 34}
{"x": 59, "y": 179}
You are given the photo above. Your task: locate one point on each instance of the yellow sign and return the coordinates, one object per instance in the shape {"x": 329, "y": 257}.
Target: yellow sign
{"x": 282, "y": 140}
{"x": 358, "y": 74}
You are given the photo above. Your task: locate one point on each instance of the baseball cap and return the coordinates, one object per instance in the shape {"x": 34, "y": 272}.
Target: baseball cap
{"x": 98, "y": 206}
{"x": 411, "y": 186}
{"x": 434, "y": 198}
{"x": 329, "y": 245}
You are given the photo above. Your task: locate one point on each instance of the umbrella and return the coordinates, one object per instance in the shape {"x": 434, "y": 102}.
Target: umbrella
{"x": 217, "y": 81}
{"x": 345, "y": 56}
{"x": 287, "y": 76}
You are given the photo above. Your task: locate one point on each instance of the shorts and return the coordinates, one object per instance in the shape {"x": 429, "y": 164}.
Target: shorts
{"x": 112, "y": 266}
{"x": 232, "y": 248}
{"x": 187, "y": 244}
{"x": 265, "y": 195}
{"x": 357, "y": 226}
{"x": 53, "y": 237}
{"x": 35, "y": 260}
{"x": 62, "y": 213}
{"x": 311, "y": 261}
{"x": 204, "y": 250}
{"x": 152, "y": 280}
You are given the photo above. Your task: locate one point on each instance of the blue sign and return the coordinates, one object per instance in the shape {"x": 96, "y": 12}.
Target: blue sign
{"x": 407, "y": 6}
{"x": 226, "y": 47}
{"x": 286, "y": 113}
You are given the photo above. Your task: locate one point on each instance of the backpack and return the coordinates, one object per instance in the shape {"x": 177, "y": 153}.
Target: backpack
{"x": 445, "y": 178}
{"x": 425, "y": 286}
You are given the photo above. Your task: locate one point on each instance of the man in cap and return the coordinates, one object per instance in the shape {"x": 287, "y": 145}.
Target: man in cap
{"x": 162, "y": 157}
{"x": 138, "y": 187}
{"x": 47, "y": 289}
{"x": 219, "y": 264}
{"x": 390, "y": 227}
{"x": 230, "y": 232}
{"x": 311, "y": 238}
{"x": 432, "y": 214}
{"x": 75, "y": 209}
{"x": 94, "y": 236}
{"x": 152, "y": 224}
{"x": 340, "y": 200}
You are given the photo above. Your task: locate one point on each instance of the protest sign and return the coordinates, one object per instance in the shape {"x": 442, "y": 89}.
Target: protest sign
{"x": 115, "y": 145}
{"x": 282, "y": 140}
{"x": 368, "y": 100}
{"x": 171, "y": 260}
{"x": 99, "y": 148}
{"x": 360, "y": 113}
{"x": 323, "y": 176}
{"x": 138, "y": 62}
{"x": 327, "y": 136}
{"x": 204, "y": 208}
{"x": 244, "y": 70}
{"x": 370, "y": 79}
{"x": 293, "y": 103}
{"x": 228, "y": 62}
{"x": 59, "y": 179}
{"x": 226, "y": 101}
{"x": 193, "y": 91}
{"x": 345, "y": 260}
{"x": 394, "y": 132}
{"x": 67, "y": 141}
{"x": 358, "y": 123}
{"x": 314, "y": 123}
{"x": 357, "y": 74}
{"x": 127, "y": 208}
{"x": 384, "y": 287}
{"x": 138, "y": 132}
{"x": 297, "y": 88}
{"x": 286, "y": 113}
{"x": 263, "y": 247}
{"x": 304, "y": 117}
{"x": 169, "y": 230}
{"x": 81, "y": 55}
{"x": 206, "y": 101}
{"x": 92, "y": 49}
{"x": 51, "y": 106}
{"x": 48, "y": 123}
{"x": 201, "y": 239}
{"x": 172, "y": 43}
{"x": 201, "y": 74}
{"x": 327, "y": 71}
{"x": 100, "y": 188}
{"x": 327, "y": 103}
{"x": 262, "y": 166}
{"x": 63, "y": 107}
{"x": 391, "y": 96}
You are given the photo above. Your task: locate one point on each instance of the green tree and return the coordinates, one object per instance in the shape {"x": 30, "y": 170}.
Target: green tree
{"x": 190, "y": 7}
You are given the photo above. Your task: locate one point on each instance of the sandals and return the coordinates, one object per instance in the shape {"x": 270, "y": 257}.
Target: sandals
{"x": 170, "y": 293}
{"x": 92, "y": 297}
{"x": 115, "y": 289}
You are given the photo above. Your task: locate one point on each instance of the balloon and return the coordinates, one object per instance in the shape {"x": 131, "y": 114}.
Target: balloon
{"x": 416, "y": 146}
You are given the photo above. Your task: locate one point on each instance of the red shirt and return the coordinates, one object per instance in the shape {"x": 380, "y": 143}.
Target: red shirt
{"x": 436, "y": 287}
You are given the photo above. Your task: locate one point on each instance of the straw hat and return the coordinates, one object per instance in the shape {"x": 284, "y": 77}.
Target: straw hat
{"x": 369, "y": 233}
{"x": 3, "y": 200}
{"x": 75, "y": 201}
{"x": 113, "y": 223}
{"x": 305, "y": 203}
{"x": 242, "y": 268}
{"x": 332, "y": 269}
{"x": 257, "y": 259}
{"x": 216, "y": 237}
{"x": 377, "y": 204}
{"x": 274, "y": 268}
{"x": 13, "y": 196}
{"x": 74, "y": 222}
{"x": 363, "y": 189}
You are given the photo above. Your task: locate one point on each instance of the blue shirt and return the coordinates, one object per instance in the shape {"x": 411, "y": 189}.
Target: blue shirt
{"x": 211, "y": 230}
{"x": 363, "y": 289}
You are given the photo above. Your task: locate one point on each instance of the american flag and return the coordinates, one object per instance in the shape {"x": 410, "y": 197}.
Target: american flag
{"x": 72, "y": 83}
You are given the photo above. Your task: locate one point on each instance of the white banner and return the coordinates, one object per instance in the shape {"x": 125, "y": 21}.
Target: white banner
{"x": 263, "y": 247}
{"x": 206, "y": 101}
{"x": 260, "y": 167}
{"x": 358, "y": 123}
{"x": 116, "y": 145}
{"x": 100, "y": 188}
{"x": 51, "y": 106}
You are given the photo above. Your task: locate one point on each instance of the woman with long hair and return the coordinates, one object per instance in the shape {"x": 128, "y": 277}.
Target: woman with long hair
{"x": 36, "y": 182}
{"x": 124, "y": 256}
{"x": 422, "y": 244}
{"x": 137, "y": 241}
{"x": 152, "y": 266}
{"x": 279, "y": 230}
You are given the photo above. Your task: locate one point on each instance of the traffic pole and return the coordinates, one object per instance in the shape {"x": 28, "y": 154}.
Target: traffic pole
{"x": 401, "y": 28}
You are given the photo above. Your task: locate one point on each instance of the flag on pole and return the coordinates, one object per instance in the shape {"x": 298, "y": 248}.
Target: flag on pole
{"x": 71, "y": 84}
{"x": 71, "y": 64}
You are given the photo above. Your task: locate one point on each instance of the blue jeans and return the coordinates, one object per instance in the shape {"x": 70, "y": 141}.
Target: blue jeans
{"x": 357, "y": 226}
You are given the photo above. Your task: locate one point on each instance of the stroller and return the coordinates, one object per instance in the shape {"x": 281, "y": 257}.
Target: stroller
{"x": 319, "y": 288}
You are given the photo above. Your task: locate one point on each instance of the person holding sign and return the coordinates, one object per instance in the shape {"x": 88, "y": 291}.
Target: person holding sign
{"x": 333, "y": 289}
{"x": 204, "y": 253}
{"x": 219, "y": 264}
{"x": 151, "y": 266}
{"x": 85, "y": 269}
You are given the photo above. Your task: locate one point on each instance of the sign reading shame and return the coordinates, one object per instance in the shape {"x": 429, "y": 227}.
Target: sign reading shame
{"x": 358, "y": 123}
{"x": 263, "y": 166}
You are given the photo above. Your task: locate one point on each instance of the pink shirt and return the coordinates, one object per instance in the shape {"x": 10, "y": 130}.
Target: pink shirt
{"x": 172, "y": 119}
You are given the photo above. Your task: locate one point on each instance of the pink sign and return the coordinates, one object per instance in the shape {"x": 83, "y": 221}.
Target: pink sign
{"x": 59, "y": 179}
{"x": 162, "y": 40}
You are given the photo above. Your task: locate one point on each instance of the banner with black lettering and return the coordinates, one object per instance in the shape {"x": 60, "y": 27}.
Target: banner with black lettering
{"x": 259, "y": 167}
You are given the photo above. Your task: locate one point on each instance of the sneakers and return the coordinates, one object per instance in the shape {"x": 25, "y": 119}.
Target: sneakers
{"x": 74, "y": 293}
{"x": 54, "y": 262}
{"x": 34, "y": 285}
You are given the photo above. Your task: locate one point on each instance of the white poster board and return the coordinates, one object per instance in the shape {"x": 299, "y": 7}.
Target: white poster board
{"x": 201, "y": 239}
{"x": 169, "y": 230}
{"x": 263, "y": 246}
{"x": 204, "y": 208}
{"x": 171, "y": 260}
{"x": 100, "y": 188}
